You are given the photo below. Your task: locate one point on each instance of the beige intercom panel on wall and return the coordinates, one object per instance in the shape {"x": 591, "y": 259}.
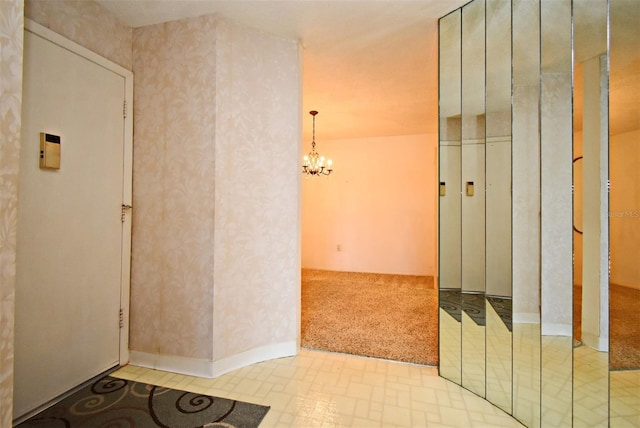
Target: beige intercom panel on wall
{"x": 470, "y": 188}
{"x": 49, "y": 151}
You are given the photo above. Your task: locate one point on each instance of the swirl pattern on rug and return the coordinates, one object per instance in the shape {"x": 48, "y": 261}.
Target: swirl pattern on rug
{"x": 119, "y": 403}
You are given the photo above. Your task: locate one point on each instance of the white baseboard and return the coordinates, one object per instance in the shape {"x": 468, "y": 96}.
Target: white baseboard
{"x": 252, "y": 356}
{"x": 596, "y": 342}
{"x": 557, "y": 329}
{"x": 526, "y": 318}
{"x": 188, "y": 366}
{"x": 205, "y": 368}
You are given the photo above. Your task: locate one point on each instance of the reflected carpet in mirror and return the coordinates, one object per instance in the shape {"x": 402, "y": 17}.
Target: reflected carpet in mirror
{"x": 624, "y": 329}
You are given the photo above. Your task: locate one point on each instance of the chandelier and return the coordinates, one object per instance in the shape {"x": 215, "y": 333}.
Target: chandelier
{"x": 313, "y": 163}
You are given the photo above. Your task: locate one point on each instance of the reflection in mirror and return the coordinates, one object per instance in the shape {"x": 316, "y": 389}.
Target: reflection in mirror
{"x": 577, "y": 189}
{"x": 498, "y": 204}
{"x": 556, "y": 159}
{"x": 624, "y": 212}
{"x": 449, "y": 202}
{"x": 526, "y": 208}
{"x": 559, "y": 104}
{"x": 473, "y": 197}
{"x": 590, "y": 220}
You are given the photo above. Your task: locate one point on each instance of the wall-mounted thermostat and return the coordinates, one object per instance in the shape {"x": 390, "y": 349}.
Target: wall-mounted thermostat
{"x": 49, "y": 151}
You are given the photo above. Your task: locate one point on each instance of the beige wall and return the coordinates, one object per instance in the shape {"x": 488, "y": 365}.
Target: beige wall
{"x": 11, "y": 36}
{"x": 257, "y": 225}
{"x": 379, "y": 206}
{"x": 215, "y": 254}
{"x": 172, "y": 242}
{"x": 624, "y": 208}
{"x": 86, "y": 23}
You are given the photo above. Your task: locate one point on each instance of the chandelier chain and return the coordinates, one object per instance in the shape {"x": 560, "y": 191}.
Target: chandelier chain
{"x": 313, "y": 139}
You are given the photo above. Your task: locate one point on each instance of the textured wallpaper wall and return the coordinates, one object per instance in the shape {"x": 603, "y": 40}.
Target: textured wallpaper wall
{"x": 257, "y": 254}
{"x": 215, "y": 257}
{"x": 11, "y": 36}
{"x": 86, "y": 23}
{"x": 173, "y": 182}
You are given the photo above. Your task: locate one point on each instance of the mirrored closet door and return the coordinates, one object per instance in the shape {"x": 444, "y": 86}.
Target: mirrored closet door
{"x": 540, "y": 208}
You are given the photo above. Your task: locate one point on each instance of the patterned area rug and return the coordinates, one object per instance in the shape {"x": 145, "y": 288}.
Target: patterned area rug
{"x": 111, "y": 402}
{"x": 394, "y": 317}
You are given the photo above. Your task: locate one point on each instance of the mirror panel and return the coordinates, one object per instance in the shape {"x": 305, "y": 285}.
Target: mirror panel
{"x": 575, "y": 122}
{"x": 449, "y": 277}
{"x": 498, "y": 204}
{"x": 590, "y": 219}
{"x": 473, "y": 197}
{"x": 526, "y": 209}
{"x": 624, "y": 212}
{"x": 556, "y": 151}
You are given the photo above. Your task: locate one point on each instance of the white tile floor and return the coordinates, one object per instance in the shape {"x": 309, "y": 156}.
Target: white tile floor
{"x": 625, "y": 399}
{"x": 322, "y": 389}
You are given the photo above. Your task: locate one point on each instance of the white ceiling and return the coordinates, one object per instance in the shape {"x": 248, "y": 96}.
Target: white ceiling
{"x": 370, "y": 67}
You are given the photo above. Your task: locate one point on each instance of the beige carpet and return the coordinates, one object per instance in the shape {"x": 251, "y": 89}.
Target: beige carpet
{"x": 393, "y": 317}
{"x": 624, "y": 328}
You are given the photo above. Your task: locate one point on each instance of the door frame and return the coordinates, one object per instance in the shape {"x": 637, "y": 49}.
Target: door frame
{"x": 127, "y": 173}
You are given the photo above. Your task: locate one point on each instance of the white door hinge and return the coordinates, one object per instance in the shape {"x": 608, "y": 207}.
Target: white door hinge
{"x": 121, "y": 318}
{"x": 124, "y": 109}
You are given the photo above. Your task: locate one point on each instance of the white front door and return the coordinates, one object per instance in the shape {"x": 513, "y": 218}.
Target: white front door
{"x": 70, "y": 234}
